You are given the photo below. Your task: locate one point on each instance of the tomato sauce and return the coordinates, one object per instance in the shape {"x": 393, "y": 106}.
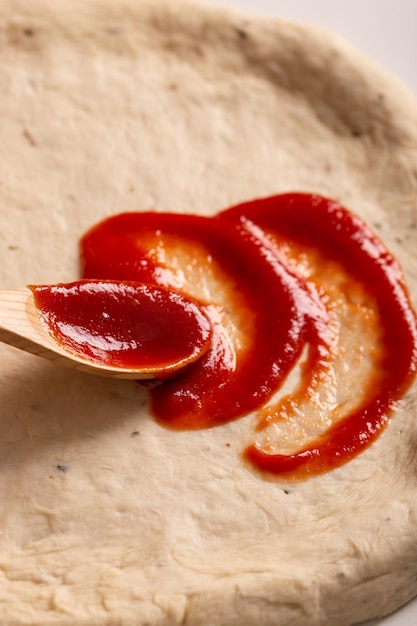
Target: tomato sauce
{"x": 279, "y": 311}
{"x": 125, "y": 324}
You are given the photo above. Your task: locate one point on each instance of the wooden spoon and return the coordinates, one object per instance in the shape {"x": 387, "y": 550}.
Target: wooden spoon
{"x": 109, "y": 328}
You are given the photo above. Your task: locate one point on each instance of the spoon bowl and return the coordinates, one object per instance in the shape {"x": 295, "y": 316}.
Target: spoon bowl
{"x": 107, "y": 328}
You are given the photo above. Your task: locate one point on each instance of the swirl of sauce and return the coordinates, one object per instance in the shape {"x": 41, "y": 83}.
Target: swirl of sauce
{"x": 295, "y": 286}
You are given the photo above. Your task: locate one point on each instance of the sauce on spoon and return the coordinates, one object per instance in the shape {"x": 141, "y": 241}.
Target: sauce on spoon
{"x": 125, "y": 324}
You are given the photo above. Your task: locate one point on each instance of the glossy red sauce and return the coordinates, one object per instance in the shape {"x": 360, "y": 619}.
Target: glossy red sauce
{"x": 125, "y": 324}
{"x": 243, "y": 248}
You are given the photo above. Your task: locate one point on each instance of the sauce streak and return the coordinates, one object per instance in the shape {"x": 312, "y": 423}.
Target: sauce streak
{"x": 125, "y": 324}
{"x": 273, "y": 311}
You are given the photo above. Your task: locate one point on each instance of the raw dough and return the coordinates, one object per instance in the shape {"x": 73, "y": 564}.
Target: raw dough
{"x": 106, "y": 517}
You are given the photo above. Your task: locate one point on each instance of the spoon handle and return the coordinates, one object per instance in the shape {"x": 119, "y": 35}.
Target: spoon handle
{"x": 19, "y": 323}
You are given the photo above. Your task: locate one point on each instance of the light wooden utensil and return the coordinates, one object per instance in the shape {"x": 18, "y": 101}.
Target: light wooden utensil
{"x": 21, "y": 327}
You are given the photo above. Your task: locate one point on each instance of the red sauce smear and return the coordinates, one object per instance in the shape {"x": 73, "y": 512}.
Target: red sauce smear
{"x": 285, "y": 312}
{"x": 125, "y": 324}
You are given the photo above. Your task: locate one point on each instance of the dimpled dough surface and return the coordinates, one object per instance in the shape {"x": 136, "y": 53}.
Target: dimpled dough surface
{"x": 105, "y": 516}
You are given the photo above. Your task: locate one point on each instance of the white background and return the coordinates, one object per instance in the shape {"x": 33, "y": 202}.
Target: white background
{"x": 385, "y": 30}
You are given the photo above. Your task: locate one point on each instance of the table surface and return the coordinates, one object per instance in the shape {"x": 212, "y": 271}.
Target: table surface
{"x": 386, "y": 31}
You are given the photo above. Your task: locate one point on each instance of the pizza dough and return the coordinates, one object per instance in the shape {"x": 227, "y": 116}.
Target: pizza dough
{"x": 106, "y": 517}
